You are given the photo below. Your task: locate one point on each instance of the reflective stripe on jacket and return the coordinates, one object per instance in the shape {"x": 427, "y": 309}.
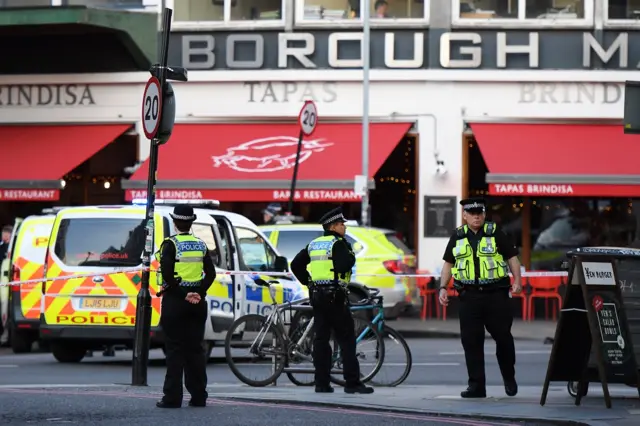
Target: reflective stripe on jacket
{"x": 493, "y": 267}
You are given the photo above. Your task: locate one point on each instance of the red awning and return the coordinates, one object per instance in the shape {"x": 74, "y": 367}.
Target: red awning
{"x": 254, "y": 162}
{"x": 35, "y": 158}
{"x": 559, "y": 159}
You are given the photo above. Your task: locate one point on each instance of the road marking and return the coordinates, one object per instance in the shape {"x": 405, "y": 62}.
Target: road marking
{"x": 49, "y": 386}
{"x": 532, "y": 352}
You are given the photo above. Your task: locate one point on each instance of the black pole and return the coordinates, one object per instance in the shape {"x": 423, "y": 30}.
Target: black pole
{"x": 295, "y": 173}
{"x": 143, "y": 308}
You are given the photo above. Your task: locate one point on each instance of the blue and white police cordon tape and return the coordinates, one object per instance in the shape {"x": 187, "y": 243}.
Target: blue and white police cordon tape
{"x": 255, "y": 274}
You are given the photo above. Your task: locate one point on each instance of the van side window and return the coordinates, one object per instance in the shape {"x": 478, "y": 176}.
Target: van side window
{"x": 204, "y": 231}
{"x": 257, "y": 255}
{"x": 225, "y": 244}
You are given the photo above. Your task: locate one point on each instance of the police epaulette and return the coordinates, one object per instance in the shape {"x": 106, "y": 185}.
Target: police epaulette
{"x": 490, "y": 228}
{"x": 460, "y": 231}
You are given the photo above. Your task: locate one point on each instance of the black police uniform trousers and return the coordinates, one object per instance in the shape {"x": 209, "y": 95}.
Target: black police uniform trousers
{"x": 183, "y": 326}
{"x": 331, "y": 313}
{"x": 488, "y": 308}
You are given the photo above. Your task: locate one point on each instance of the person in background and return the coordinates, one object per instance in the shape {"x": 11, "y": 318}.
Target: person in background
{"x": 269, "y": 214}
{"x": 381, "y": 8}
{"x": 6, "y": 238}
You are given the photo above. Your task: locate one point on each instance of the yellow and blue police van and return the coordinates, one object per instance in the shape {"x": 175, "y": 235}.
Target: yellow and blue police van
{"x": 107, "y": 242}
{"x": 20, "y": 304}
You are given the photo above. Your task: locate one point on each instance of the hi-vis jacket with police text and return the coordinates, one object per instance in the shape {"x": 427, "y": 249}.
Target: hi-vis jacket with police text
{"x": 492, "y": 265}
{"x": 186, "y": 257}
{"x": 321, "y": 266}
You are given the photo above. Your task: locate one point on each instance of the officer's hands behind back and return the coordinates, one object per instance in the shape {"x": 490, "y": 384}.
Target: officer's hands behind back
{"x": 193, "y": 298}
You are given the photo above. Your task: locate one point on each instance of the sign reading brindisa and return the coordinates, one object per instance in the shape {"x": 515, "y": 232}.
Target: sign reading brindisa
{"x": 29, "y": 195}
{"x": 530, "y": 189}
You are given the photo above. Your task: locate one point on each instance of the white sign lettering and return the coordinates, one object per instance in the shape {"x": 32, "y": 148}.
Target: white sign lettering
{"x": 532, "y": 189}
{"x": 317, "y": 195}
{"x": 169, "y": 194}
{"x": 598, "y": 273}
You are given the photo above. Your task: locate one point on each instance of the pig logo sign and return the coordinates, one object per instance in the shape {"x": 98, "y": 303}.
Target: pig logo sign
{"x": 270, "y": 154}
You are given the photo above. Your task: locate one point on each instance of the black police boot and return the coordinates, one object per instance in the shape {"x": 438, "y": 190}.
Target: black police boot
{"x": 165, "y": 404}
{"x": 324, "y": 389}
{"x": 359, "y": 388}
{"x": 511, "y": 387}
{"x": 474, "y": 392}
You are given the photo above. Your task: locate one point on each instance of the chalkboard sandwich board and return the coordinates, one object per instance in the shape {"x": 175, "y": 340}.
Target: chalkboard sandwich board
{"x": 593, "y": 324}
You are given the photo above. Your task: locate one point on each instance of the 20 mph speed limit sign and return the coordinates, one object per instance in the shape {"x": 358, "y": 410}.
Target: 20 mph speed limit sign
{"x": 151, "y": 108}
{"x": 308, "y": 118}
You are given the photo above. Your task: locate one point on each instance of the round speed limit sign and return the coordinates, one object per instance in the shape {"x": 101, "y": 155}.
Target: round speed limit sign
{"x": 151, "y": 108}
{"x": 308, "y": 118}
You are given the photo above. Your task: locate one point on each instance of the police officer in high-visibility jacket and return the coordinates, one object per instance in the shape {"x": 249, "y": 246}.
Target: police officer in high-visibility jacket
{"x": 187, "y": 273}
{"x": 479, "y": 257}
{"x": 325, "y": 267}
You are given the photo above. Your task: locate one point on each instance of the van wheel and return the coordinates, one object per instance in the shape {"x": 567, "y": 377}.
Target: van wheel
{"x": 67, "y": 353}
{"x": 20, "y": 341}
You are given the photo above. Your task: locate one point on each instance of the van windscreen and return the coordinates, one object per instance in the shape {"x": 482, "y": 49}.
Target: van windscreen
{"x": 100, "y": 241}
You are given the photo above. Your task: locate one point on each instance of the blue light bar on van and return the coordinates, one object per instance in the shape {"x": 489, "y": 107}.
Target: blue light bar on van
{"x": 139, "y": 201}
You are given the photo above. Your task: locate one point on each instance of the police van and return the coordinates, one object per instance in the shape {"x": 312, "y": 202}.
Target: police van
{"x": 84, "y": 313}
{"x": 20, "y": 304}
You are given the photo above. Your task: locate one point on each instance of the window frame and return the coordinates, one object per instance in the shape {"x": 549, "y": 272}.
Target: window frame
{"x": 337, "y": 24}
{"x": 617, "y": 23}
{"x": 226, "y": 22}
{"x": 521, "y": 22}
{"x": 265, "y": 241}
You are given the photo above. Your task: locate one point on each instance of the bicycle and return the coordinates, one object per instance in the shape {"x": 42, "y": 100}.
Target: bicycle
{"x": 391, "y": 339}
{"x": 283, "y": 349}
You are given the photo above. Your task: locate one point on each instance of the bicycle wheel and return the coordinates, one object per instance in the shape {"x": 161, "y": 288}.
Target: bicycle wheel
{"x": 304, "y": 358}
{"x": 397, "y": 359}
{"x": 369, "y": 351}
{"x": 269, "y": 356}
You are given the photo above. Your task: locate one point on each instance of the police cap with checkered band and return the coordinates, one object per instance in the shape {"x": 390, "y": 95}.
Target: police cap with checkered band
{"x": 474, "y": 205}
{"x": 332, "y": 216}
{"x": 183, "y": 212}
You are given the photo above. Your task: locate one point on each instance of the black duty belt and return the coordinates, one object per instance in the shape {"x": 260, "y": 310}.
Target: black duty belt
{"x": 482, "y": 289}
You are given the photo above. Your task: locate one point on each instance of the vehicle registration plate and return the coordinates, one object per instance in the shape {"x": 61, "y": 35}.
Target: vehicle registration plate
{"x": 100, "y": 303}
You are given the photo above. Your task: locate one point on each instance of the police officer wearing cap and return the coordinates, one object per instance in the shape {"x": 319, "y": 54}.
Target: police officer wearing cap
{"x": 187, "y": 273}
{"x": 270, "y": 213}
{"x": 325, "y": 266}
{"x": 479, "y": 257}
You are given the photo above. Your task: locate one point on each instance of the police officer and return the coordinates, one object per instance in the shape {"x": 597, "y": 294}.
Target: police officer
{"x": 477, "y": 257}
{"x": 325, "y": 267}
{"x": 270, "y": 213}
{"x": 187, "y": 273}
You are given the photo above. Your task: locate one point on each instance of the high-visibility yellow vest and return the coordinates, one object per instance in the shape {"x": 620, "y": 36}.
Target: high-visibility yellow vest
{"x": 493, "y": 267}
{"x": 321, "y": 266}
{"x": 190, "y": 253}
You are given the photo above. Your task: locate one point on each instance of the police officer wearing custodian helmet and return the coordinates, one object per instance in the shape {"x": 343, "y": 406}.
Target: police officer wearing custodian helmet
{"x": 187, "y": 273}
{"x": 325, "y": 267}
{"x": 477, "y": 257}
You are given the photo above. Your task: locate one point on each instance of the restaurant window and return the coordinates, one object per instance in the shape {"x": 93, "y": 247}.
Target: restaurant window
{"x": 382, "y": 11}
{"x": 193, "y": 13}
{"x": 623, "y": 10}
{"x": 551, "y": 11}
{"x": 561, "y": 224}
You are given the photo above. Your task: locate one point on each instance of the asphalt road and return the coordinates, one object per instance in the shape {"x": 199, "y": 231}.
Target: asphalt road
{"x": 435, "y": 362}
